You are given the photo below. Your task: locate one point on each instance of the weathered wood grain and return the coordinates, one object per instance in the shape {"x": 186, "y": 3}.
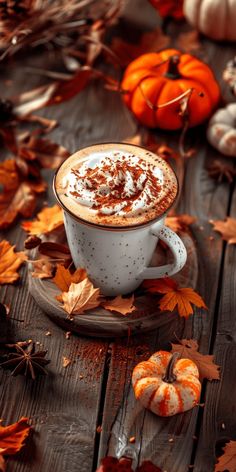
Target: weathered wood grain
{"x": 219, "y": 418}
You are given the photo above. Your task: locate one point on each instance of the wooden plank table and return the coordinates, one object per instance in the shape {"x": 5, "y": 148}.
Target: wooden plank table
{"x": 67, "y": 406}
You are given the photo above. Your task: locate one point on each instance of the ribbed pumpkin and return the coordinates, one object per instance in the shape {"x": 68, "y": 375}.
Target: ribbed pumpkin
{"x": 221, "y": 132}
{"x": 167, "y": 385}
{"x": 157, "y": 78}
{"x": 214, "y": 18}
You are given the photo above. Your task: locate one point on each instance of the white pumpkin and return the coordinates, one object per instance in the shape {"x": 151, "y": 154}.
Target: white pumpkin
{"x": 221, "y": 132}
{"x": 214, "y": 18}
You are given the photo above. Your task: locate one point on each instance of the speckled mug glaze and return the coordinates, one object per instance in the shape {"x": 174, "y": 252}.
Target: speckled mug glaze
{"x": 117, "y": 259}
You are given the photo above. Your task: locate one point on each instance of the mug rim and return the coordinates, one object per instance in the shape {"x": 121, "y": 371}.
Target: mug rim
{"x": 110, "y": 227}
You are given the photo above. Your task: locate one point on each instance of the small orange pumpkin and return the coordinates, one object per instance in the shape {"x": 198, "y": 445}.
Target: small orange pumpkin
{"x": 165, "y": 385}
{"x": 154, "y": 79}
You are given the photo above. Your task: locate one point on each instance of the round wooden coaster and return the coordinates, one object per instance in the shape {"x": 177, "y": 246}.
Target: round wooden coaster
{"x": 104, "y": 323}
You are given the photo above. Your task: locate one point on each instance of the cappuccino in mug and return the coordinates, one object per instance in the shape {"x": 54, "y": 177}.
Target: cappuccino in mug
{"x": 115, "y": 197}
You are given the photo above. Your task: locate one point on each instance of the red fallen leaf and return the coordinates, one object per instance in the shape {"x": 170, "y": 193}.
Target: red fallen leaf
{"x": 111, "y": 464}
{"x": 51, "y": 94}
{"x": 173, "y": 8}
{"x": 151, "y": 41}
{"x": 12, "y": 439}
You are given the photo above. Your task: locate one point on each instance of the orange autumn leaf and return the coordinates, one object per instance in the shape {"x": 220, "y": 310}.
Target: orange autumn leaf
{"x": 19, "y": 202}
{"x": 10, "y": 261}
{"x": 121, "y": 305}
{"x": 179, "y": 222}
{"x": 175, "y": 297}
{"x": 228, "y": 459}
{"x": 9, "y": 175}
{"x": 63, "y": 277}
{"x": 226, "y": 228}
{"x": 150, "y": 41}
{"x": 12, "y": 439}
{"x": 81, "y": 297}
{"x": 188, "y": 349}
{"x": 48, "y": 220}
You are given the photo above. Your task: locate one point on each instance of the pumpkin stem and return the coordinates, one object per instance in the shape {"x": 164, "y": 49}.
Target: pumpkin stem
{"x": 169, "y": 376}
{"x": 173, "y": 70}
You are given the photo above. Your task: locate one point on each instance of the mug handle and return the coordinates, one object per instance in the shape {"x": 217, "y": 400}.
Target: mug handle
{"x": 177, "y": 248}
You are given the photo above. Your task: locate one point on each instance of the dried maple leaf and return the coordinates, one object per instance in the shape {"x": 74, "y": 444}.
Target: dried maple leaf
{"x": 55, "y": 251}
{"x": 12, "y": 439}
{"x": 175, "y": 297}
{"x": 151, "y": 41}
{"x": 10, "y": 262}
{"x": 120, "y": 305}
{"x": 228, "y": 459}
{"x": 19, "y": 202}
{"x": 47, "y": 154}
{"x": 43, "y": 269}
{"x": 48, "y": 220}
{"x": 54, "y": 93}
{"x": 188, "y": 349}
{"x": 9, "y": 177}
{"x": 179, "y": 222}
{"x": 188, "y": 41}
{"x": 81, "y": 297}
{"x": 64, "y": 278}
{"x": 226, "y": 228}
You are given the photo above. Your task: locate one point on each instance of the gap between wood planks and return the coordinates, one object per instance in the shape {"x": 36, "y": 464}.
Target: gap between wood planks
{"x": 101, "y": 406}
{"x": 214, "y": 329}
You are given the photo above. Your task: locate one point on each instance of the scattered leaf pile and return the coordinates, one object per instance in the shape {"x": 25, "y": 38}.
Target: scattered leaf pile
{"x": 174, "y": 297}
{"x": 12, "y": 439}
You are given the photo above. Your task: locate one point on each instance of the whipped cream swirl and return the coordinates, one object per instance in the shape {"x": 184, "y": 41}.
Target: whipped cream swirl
{"x": 118, "y": 183}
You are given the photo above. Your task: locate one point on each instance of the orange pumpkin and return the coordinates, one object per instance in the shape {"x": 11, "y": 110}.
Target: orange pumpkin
{"x": 172, "y": 8}
{"x": 154, "y": 79}
{"x": 165, "y": 385}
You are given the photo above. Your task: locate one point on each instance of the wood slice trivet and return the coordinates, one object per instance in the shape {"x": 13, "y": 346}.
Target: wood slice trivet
{"x": 104, "y": 323}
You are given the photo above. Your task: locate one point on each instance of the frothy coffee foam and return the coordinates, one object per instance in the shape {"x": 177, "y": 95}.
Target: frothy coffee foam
{"x": 116, "y": 185}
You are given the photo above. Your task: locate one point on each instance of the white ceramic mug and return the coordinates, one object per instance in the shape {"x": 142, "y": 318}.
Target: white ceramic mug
{"x": 117, "y": 259}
